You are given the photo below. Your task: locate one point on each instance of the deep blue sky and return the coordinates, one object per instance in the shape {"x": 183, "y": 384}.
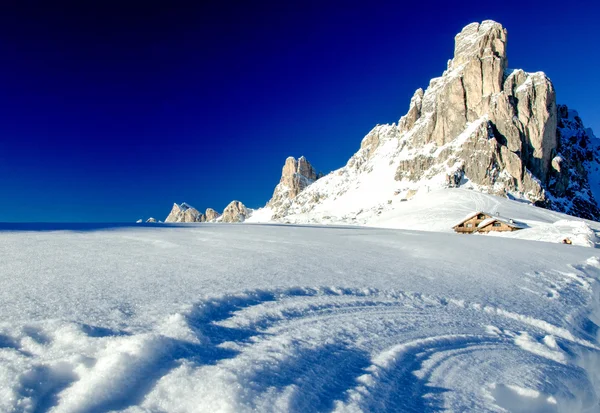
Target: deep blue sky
{"x": 112, "y": 112}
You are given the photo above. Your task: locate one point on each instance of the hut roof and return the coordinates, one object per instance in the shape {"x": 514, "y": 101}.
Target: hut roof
{"x": 508, "y": 222}
{"x": 471, "y": 215}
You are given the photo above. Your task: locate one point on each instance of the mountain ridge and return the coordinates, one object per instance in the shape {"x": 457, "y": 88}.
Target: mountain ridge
{"x": 479, "y": 125}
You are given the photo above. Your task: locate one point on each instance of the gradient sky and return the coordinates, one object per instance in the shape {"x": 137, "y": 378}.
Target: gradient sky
{"x": 112, "y": 112}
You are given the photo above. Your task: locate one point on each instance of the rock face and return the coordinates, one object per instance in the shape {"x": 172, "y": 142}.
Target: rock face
{"x": 479, "y": 125}
{"x": 575, "y": 177}
{"x": 296, "y": 175}
{"x": 510, "y": 118}
{"x": 211, "y": 214}
{"x": 234, "y": 212}
{"x": 185, "y": 213}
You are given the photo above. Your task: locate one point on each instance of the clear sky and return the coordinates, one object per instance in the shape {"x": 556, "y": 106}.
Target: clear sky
{"x": 112, "y": 113}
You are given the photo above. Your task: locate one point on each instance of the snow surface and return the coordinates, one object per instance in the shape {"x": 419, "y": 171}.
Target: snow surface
{"x": 235, "y": 318}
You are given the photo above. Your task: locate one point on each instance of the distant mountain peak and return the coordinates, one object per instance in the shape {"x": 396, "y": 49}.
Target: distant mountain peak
{"x": 185, "y": 213}
{"x": 296, "y": 175}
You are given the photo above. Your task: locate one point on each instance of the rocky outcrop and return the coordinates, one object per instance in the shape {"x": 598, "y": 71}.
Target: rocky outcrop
{"x": 151, "y": 220}
{"x": 297, "y": 174}
{"x": 494, "y": 127}
{"x": 576, "y": 162}
{"x": 414, "y": 112}
{"x": 514, "y": 140}
{"x": 234, "y": 212}
{"x": 185, "y": 213}
{"x": 211, "y": 214}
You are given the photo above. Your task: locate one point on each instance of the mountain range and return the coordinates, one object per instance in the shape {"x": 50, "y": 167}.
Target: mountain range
{"x": 479, "y": 126}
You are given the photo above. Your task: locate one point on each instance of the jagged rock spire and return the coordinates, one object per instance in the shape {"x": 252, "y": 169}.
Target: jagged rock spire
{"x": 516, "y": 112}
{"x": 480, "y": 40}
{"x": 296, "y": 175}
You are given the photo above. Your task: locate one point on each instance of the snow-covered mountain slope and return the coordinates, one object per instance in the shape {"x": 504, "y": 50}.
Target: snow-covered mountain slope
{"x": 441, "y": 209}
{"x": 236, "y": 318}
{"x": 479, "y": 125}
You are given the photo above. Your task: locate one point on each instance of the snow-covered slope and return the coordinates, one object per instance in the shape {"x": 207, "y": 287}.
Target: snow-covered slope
{"x": 442, "y": 209}
{"x": 439, "y": 210}
{"x": 236, "y": 318}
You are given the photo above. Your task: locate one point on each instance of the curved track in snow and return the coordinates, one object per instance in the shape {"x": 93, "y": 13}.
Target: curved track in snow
{"x": 309, "y": 349}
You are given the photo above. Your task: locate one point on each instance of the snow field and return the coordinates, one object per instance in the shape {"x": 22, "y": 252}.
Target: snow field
{"x": 277, "y": 318}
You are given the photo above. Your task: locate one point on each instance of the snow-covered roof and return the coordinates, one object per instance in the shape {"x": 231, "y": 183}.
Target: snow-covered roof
{"x": 472, "y": 215}
{"x": 491, "y": 218}
{"x": 509, "y": 222}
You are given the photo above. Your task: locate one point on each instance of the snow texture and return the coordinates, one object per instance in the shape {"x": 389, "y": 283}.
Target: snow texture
{"x": 236, "y": 318}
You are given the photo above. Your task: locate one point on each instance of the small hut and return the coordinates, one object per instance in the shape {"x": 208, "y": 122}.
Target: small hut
{"x": 470, "y": 223}
{"x": 485, "y": 222}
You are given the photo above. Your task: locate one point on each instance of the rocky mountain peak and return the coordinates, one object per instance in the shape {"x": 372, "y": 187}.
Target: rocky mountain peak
{"x": 480, "y": 41}
{"x": 414, "y": 111}
{"x": 211, "y": 214}
{"x": 478, "y": 125}
{"x": 184, "y": 213}
{"x": 235, "y": 212}
{"x": 296, "y": 175}
{"x": 485, "y": 119}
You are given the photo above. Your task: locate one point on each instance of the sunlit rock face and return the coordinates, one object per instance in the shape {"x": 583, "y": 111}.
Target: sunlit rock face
{"x": 296, "y": 175}
{"x": 235, "y": 212}
{"x": 211, "y": 214}
{"x": 185, "y": 213}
